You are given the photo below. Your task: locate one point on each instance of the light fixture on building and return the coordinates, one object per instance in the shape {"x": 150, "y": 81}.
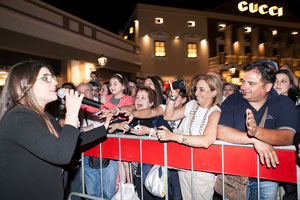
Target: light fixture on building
{"x": 247, "y": 29}
{"x": 221, "y": 26}
{"x": 158, "y": 20}
{"x": 274, "y": 32}
{"x": 146, "y": 36}
{"x": 294, "y": 32}
{"x": 130, "y": 30}
{"x": 102, "y": 60}
{"x": 232, "y": 70}
{"x": 191, "y": 24}
{"x": 125, "y": 37}
{"x": 176, "y": 37}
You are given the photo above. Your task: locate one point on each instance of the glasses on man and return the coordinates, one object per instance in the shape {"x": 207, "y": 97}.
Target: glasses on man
{"x": 47, "y": 78}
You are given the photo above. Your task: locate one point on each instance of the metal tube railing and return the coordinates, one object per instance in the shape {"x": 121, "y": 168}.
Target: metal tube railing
{"x": 141, "y": 142}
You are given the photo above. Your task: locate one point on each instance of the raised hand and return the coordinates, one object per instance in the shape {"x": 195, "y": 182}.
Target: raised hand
{"x": 251, "y": 123}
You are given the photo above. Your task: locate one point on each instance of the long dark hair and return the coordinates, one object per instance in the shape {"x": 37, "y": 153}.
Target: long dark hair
{"x": 159, "y": 93}
{"x": 18, "y": 90}
{"x": 124, "y": 81}
{"x": 293, "y": 91}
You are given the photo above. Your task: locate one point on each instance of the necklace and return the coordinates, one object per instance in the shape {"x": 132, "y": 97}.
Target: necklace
{"x": 194, "y": 112}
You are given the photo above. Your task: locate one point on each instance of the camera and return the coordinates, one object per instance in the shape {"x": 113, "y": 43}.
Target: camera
{"x": 180, "y": 84}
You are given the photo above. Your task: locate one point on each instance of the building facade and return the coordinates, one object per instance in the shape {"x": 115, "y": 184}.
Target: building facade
{"x": 32, "y": 29}
{"x": 180, "y": 43}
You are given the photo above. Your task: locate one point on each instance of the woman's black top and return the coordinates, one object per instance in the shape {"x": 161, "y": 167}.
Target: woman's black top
{"x": 32, "y": 158}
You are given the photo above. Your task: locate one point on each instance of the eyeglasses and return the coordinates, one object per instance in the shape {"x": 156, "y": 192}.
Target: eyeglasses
{"x": 132, "y": 87}
{"x": 47, "y": 78}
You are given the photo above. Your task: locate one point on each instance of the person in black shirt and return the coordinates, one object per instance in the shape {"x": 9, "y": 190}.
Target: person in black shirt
{"x": 33, "y": 147}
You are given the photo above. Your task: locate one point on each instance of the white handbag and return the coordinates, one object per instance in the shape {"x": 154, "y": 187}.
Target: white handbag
{"x": 128, "y": 192}
{"x": 156, "y": 182}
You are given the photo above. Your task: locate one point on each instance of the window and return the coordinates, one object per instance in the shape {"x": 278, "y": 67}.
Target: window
{"x": 221, "y": 48}
{"x": 159, "y": 48}
{"x": 191, "y": 24}
{"x": 294, "y": 32}
{"x": 247, "y": 49}
{"x": 131, "y": 30}
{"x": 159, "y": 20}
{"x": 192, "y": 50}
{"x": 275, "y": 52}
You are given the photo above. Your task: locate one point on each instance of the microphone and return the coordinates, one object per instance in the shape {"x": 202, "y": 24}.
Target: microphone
{"x": 86, "y": 101}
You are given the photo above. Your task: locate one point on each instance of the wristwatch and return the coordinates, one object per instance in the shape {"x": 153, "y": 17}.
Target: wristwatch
{"x": 173, "y": 97}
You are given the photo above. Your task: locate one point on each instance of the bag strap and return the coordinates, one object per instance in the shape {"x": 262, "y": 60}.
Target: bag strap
{"x": 263, "y": 119}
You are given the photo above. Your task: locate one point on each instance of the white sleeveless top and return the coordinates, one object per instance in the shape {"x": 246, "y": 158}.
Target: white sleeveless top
{"x": 191, "y": 126}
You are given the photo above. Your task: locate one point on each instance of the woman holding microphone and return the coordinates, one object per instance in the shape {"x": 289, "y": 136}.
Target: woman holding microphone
{"x": 33, "y": 147}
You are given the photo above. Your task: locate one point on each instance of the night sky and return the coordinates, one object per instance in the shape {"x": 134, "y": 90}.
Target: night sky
{"x": 113, "y": 15}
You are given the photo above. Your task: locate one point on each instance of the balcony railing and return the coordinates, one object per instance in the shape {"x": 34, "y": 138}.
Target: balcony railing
{"x": 234, "y": 60}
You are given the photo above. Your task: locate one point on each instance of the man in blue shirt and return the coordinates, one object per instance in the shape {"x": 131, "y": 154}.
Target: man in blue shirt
{"x": 243, "y": 111}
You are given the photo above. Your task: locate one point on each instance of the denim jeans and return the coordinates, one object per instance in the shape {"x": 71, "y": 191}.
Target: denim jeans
{"x": 75, "y": 182}
{"x": 268, "y": 189}
{"x": 93, "y": 179}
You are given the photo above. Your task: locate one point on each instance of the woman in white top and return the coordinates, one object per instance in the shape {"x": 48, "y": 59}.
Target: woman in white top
{"x": 199, "y": 129}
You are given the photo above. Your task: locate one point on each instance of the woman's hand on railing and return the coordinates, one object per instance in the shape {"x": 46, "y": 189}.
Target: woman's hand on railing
{"x": 119, "y": 126}
{"x": 266, "y": 153}
{"x": 163, "y": 134}
{"x": 143, "y": 130}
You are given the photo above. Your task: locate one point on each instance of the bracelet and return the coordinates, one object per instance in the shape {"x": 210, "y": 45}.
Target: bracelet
{"x": 180, "y": 140}
{"x": 173, "y": 97}
{"x": 118, "y": 111}
{"x": 74, "y": 116}
{"x": 152, "y": 132}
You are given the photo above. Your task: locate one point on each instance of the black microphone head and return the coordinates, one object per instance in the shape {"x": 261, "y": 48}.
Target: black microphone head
{"x": 61, "y": 93}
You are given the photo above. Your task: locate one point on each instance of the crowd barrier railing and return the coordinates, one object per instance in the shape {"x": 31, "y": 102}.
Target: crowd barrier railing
{"x": 221, "y": 157}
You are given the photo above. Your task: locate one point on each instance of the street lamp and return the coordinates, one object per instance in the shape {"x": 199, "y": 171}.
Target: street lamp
{"x": 102, "y": 60}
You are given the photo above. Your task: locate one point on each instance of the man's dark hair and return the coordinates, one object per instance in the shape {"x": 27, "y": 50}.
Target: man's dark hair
{"x": 267, "y": 73}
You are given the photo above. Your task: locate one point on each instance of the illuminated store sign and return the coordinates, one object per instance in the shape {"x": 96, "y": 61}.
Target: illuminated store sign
{"x": 261, "y": 9}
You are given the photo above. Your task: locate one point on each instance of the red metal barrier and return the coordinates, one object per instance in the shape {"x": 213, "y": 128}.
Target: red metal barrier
{"x": 237, "y": 160}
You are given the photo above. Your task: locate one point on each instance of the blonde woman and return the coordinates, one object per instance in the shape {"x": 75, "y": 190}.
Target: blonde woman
{"x": 199, "y": 129}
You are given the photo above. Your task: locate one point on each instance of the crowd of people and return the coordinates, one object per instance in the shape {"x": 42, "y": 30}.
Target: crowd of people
{"x": 42, "y": 137}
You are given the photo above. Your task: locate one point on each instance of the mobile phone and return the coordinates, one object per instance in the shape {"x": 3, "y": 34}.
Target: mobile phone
{"x": 180, "y": 84}
{"x": 131, "y": 126}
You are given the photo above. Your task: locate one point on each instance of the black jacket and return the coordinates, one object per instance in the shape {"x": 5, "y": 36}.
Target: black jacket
{"x": 31, "y": 157}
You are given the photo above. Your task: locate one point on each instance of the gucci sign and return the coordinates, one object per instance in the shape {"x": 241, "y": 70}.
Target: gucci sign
{"x": 261, "y": 9}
